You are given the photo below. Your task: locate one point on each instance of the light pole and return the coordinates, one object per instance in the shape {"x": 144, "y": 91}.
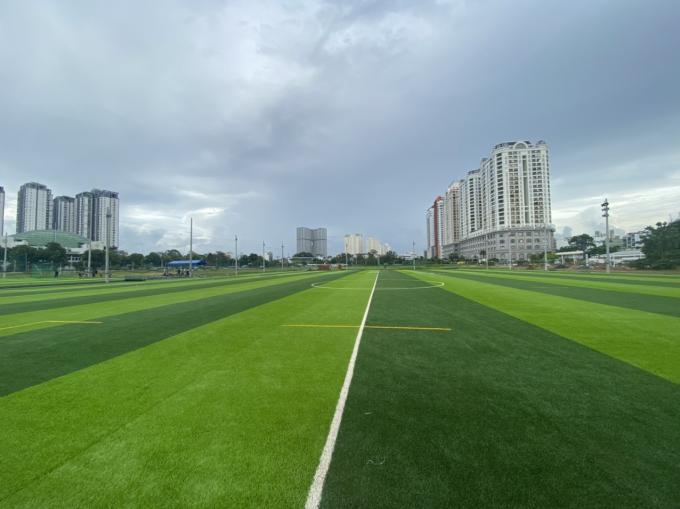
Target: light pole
{"x": 236, "y": 254}
{"x": 281, "y": 255}
{"x": 89, "y": 258}
{"x": 509, "y": 252}
{"x": 4, "y": 261}
{"x": 191, "y": 247}
{"x": 605, "y": 214}
{"x": 414, "y": 255}
{"x": 263, "y": 269}
{"x": 108, "y": 244}
{"x": 545, "y": 247}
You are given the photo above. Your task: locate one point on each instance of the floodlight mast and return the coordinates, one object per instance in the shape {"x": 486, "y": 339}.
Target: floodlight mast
{"x": 89, "y": 258}
{"x": 263, "y": 269}
{"x": 545, "y": 249}
{"x": 281, "y": 255}
{"x": 605, "y": 214}
{"x": 414, "y": 255}
{"x": 108, "y": 244}
{"x": 191, "y": 247}
{"x": 4, "y": 260}
{"x": 236, "y": 254}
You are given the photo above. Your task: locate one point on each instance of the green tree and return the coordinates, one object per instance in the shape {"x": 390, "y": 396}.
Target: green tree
{"x": 153, "y": 259}
{"x": 582, "y": 242}
{"x": 54, "y": 253}
{"x": 662, "y": 245}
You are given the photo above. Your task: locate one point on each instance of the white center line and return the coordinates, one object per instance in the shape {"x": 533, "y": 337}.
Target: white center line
{"x": 314, "y": 495}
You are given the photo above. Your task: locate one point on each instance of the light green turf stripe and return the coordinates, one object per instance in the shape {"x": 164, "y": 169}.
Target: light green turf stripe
{"x": 230, "y": 414}
{"x": 103, "y": 309}
{"x": 600, "y": 285}
{"x": 595, "y": 276}
{"x": 116, "y": 288}
{"x": 647, "y": 340}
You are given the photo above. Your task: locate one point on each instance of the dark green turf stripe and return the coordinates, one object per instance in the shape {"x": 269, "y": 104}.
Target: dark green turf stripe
{"x": 641, "y": 302}
{"x": 498, "y": 413}
{"x": 38, "y": 305}
{"x": 595, "y": 278}
{"x": 37, "y": 356}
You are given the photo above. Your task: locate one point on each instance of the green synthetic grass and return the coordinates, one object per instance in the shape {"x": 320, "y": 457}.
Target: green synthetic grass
{"x": 96, "y": 311}
{"x": 550, "y": 390}
{"x": 34, "y": 357}
{"x": 590, "y": 291}
{"x": 498, "y": 413}
{"x": 232, "y": 413}
{"x": 647, "y": 340}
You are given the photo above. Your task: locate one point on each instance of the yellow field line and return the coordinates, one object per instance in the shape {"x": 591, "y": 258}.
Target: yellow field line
{"x": 395, "y": 327}
{"x": 44, "y": 321}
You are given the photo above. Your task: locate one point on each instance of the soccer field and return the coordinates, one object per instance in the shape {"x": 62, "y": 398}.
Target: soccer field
{"x": 471, "y": 388}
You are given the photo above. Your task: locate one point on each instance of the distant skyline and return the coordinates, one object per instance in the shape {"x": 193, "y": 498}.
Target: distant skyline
{"x": 256, "y": 117}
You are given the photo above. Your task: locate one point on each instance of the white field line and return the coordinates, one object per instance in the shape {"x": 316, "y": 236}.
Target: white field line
{"x": 315, "y": 490}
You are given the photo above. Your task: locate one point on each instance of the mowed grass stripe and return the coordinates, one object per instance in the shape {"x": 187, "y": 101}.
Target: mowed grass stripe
{"x": 663, "y": 291}
{"x": 649, "y": 341}
{"x": 36, "y": 303}
{"x": 103, "y": 309}
{"x": 643, "y": 279}
{"x": 230, "y": 414}
{"x": 498, "y": 413}
{"x": 37, "y": 356}
{"x": 641, "y": 302}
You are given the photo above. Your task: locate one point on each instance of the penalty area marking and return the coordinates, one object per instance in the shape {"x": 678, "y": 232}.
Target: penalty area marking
{"x": 395, "y": 327}
{"x": 315, "y": 490}
{"x": 47, "y": 321}
{"x": 435, "y": 284}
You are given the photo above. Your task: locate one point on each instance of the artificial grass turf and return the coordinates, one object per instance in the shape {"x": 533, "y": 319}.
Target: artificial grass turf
{"x": 649, "y": 341}
{"x": 628, "y": 299}
{"x": 37, "y": 356}
{"x": 230, "y": 414}
{"x": 644, "y": 279}
{"x": 36, "y": 319}
{"x": 497, "y": 413}
{"x": 40, "y": 302}
{"x": 647, "y": 289}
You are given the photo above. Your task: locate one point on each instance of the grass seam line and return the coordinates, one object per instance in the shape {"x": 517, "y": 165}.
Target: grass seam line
{"x": 395, "y": 327}
{"x": 315, "y": 490}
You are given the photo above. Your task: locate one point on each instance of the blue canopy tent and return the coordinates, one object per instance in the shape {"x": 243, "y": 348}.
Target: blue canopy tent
{"x": 185, "y": 264}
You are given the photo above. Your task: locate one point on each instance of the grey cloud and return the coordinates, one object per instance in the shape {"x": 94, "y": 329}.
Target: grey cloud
{"x": 259, "y": 117}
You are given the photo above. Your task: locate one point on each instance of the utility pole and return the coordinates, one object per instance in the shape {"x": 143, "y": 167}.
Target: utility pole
{"x": 605, "y": 214}
{"x": 263, "y": 268}
{"x": 236, "y": 253}
{"x": 545, "y": 248}
{"x": 89, "y": 258}
{"x": 108, "y": 245}
{"x": 191, "y": 247}
{"x": 414, "y": 255}
{"x": 509, "y": 252}
{"x": 4, "y": 261}
{"x": 281, "y": 255}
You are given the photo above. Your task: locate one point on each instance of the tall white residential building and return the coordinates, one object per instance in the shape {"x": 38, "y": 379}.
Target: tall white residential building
{"x": 312, "y": 240}
{"x": 373, "y": 244}
{"x": 83, "y": 219}
{"x": 91, "y": 208}
{"x": 354, "y": 244}
{"x": 2, "y": 211}
{"x": 503, "y": 208}
{"x": 452, "y": 212}
{"x": 104, "y": 202}
{"x": 435, "y": 223}
{"x": 64, "y": 214}
{"x": 34, "y": 208}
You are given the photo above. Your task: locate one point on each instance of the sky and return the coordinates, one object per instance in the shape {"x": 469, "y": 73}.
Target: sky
{"x": 255, "y": 117}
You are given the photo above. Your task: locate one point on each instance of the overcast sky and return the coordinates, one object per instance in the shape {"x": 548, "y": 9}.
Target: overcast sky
{"x": 257, "y": 117}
